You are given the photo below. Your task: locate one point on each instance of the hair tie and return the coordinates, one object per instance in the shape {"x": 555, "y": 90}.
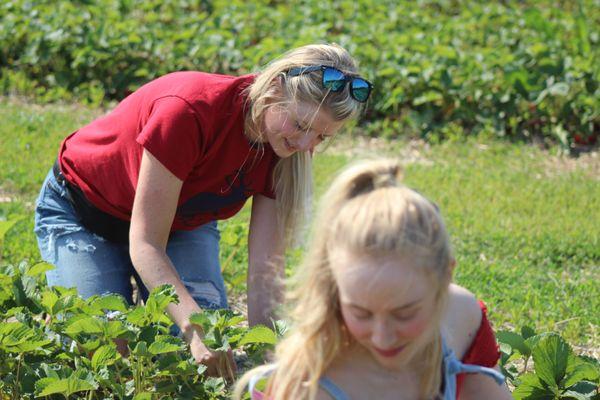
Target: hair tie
{"x": 384, "y": 181}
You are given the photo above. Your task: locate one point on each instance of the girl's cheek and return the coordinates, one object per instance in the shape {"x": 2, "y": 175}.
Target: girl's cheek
{"x": 356, "y": 328}
{"x": 414, "y": 328}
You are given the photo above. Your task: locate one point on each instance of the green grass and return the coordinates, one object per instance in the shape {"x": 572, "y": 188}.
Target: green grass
{"x": 524, "y": 223}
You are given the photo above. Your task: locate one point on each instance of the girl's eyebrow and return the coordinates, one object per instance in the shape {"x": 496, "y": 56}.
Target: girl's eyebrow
{"x": 401, "y": 308}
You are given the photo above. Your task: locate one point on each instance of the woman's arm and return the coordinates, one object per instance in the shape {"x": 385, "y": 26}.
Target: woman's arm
{"x": 265, "y": 262}
{"x": 154, "y": 208}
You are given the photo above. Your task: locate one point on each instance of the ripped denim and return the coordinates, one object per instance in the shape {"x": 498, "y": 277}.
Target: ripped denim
{"x": 95, "y": 265}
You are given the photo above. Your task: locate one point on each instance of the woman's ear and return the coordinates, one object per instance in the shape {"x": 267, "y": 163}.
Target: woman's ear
{"x": 278, "y": 84}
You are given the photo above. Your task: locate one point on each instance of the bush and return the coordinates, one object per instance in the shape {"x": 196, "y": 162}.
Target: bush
{"x": 516, "y": 69}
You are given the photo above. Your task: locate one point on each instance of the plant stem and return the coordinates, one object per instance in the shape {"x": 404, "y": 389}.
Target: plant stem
{"x": 16, "y": 390}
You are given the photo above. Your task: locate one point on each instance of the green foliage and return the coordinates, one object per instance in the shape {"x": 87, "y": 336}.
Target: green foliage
{"x": 510, "y": 69}
{"x": 53, "y": 342}
{"x": 558, "y": 372}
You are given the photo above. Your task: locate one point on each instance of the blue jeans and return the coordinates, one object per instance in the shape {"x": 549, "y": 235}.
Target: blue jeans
{"x": 95, "y": 265}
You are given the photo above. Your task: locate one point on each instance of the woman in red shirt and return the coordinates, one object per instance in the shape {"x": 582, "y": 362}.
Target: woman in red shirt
{"x": 138, "y": 191}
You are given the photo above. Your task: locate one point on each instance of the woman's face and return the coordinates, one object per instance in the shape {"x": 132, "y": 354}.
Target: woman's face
{"x": 386, "y": 303}
{"x": 298, "y": 127}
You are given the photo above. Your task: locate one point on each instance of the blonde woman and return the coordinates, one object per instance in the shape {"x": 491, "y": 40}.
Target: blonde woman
{"x": 375, "y": 314}
{"x": 138, "y": 191}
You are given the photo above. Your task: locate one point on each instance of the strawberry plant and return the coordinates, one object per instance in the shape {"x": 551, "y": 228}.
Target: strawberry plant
{"x": 557, "y": 372}
{"x": 54, "y": 343}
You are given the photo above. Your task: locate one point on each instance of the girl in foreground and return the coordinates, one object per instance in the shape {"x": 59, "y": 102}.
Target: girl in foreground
{"x": 376, "y": 315}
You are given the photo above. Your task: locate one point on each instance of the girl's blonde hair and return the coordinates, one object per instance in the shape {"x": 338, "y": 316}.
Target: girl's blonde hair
{"x": 365, "y": 211}
{"x": 273, "y": 88}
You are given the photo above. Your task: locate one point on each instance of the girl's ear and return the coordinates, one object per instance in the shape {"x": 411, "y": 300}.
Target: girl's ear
{"x": 452, "y": 265}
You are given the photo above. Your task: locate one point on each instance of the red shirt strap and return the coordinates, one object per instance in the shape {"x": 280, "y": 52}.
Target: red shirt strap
{"x": 484, "y": 349}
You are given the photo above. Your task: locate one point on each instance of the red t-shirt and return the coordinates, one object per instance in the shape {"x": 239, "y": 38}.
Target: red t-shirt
{"x": 193, "y": 123}
{"x": 483, "y": 350}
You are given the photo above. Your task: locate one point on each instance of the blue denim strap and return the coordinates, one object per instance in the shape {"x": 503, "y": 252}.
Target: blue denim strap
{"x": 456, "y": 367}
{"x": 332, "y": 389}
{"x": 453, "y": 367}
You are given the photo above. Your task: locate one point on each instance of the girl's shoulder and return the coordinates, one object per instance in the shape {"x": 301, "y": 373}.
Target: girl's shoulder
{"x": 462, "y": 319}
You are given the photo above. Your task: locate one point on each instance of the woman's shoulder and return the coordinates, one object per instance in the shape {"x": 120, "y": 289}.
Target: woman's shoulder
{"x": 198, "y": 89}
{"x": 462, "y": 319}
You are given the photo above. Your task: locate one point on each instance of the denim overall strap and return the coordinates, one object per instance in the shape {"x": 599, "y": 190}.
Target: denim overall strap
{"x": 332, "y": 389}
{"x": 453, "y": 367}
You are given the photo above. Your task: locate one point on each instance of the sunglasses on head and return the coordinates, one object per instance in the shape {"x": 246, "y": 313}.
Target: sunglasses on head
{"x": 335, "y": 80}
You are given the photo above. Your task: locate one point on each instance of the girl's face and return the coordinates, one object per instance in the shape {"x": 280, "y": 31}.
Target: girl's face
{"x": 298, "y": 127}
{"x": 386, "y": 303}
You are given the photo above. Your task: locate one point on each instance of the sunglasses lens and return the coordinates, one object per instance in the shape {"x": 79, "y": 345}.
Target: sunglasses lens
{"x": 360, "y": 89}
{"x": 333, "y": 79}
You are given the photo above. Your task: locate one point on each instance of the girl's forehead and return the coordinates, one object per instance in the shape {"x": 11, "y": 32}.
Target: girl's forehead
{"x": 380, "y": 282}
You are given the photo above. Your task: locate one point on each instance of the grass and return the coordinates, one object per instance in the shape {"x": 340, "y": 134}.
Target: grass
{"x": 524, "y": 222}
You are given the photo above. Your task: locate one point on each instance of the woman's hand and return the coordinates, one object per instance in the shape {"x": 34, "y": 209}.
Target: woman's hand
{"x": 218, "y": 363}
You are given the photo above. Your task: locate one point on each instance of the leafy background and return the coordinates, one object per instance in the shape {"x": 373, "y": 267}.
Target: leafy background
{"x": 476, "y": 80}
{"x": 520, "y": 69}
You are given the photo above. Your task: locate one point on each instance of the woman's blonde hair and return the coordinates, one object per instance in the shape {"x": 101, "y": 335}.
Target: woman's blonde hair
{"x": 273, "y": 88}
{"x": 365, "y": 211}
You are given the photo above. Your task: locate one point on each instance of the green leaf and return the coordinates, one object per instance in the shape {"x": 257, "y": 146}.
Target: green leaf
{"x": 531, "y": 388}
{"x": 49, "y": 300}
{"x": 39, "y": 269}
{"x": 66, "y": 387}
{"x": 111, "y": 302}
{"x": 527, "y": 332}
{"x": 143, "y": 396}
{"x": 579, "y": 370}
{"x": 515, "y": 341}
{"x": 158, "y": 300}
{"x": 202, "y": 320}
{"x": 165, "y": 344}
{"x": 234, "y": 320}
{"x": 588, "y": 389}
{"x": 141, "y": 350}
{"x": 259, "y": 334}
{"x": 551, "y": 355}
{"x": 137, "y": 317}
{"x": 84, "y": 324}
{"x": 572, "y": 395}
{"x": 428, "y": 97}
{"x": 105, "y": 355}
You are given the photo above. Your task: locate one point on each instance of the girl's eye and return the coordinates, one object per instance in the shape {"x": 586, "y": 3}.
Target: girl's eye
{"x": 405, "y": 317}
{"x": 298, "y": 126}
{"x": 362, "y": 315}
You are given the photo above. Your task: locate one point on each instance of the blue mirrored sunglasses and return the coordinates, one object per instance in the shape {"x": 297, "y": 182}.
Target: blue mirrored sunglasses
{"x": 335, "y": 80}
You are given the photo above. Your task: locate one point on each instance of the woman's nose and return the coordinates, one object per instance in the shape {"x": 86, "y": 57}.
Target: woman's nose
{"x": 306, "y": 141}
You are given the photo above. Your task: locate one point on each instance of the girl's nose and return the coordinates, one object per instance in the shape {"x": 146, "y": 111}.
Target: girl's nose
{"x": 383, "y": 336}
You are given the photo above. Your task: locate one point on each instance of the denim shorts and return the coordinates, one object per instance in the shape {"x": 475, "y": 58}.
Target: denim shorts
{"x": 94, "y": 265}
